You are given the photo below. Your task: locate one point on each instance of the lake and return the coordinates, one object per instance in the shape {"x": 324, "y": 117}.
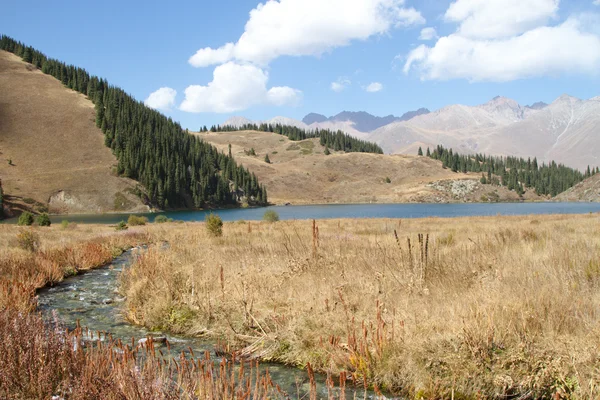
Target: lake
{"x": 355, "y": 211}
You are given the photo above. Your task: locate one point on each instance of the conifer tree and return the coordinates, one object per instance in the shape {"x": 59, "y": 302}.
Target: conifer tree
{"x": 420, "y": 152}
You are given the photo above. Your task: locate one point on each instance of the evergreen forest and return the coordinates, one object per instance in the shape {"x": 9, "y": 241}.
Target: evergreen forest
{"x": 517, "y": 174}
{"x": 338, "y": 141}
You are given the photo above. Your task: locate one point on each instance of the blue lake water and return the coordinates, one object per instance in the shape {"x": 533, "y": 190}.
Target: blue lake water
{"x": 356, "y": 211}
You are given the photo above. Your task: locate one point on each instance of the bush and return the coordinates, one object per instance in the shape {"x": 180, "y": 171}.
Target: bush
{"x": 161, "y": 219}
{"x": 214, "y": 225}
{"x": 121, "y": 226}
{"x": 388, "y": 180}
{"x": 44, "y": 220}
{"x": 25, "y": 219}
{"x": 271, "y": 216}
{"x": 64, "y": 224}
{"x": 28, "y": 240}
{"x": 136, "y": 220}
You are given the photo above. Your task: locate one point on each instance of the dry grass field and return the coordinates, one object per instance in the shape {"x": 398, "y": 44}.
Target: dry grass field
{"x": 300, "y": 173}
{"x": 59, "y": 161}
{"x": 489, "y": 307}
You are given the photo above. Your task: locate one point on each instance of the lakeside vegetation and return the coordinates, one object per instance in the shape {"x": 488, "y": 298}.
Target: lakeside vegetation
{"x": 482, "y": 307}
{"x": 486, "y": 307}
{"x": 515, "y": 173}
{"x": 336, "y": 140}
{"x": 176, "y": 169}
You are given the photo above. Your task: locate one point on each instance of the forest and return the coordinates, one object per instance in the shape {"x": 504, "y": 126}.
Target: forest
{"x": 338, "y": 141}
{"x": 176, "y": 168}
{"x": 516, "y": 174}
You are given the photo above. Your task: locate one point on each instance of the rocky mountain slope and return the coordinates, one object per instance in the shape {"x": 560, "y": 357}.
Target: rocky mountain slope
{"x": 52, "y": 155}
{"x": 586, "y": 191}
{"x": 567, "y": 130}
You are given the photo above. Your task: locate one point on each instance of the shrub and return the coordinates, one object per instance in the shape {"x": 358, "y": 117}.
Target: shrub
{"x": 388, "y": 180}
{"x": 25, "y": 219}
{"x": 44, "y": 220}
{"x": 271, "y": 216}
{"x": 64, "y": 224}
{"x": 214, "y": 224}
{"x": 161, "y": 219}
{"x": 121, "y": 226}
{"x": 136, "y": 220}
{"x": 28, "y": 240}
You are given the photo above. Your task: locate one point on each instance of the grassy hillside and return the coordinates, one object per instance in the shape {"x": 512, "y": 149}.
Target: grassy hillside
{"x": 57, "y": 155}
{"x": 588, "y": 191}
{"x": 300, "y": 173}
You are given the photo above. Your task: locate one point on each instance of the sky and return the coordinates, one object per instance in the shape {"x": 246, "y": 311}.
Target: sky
{"x": 201, "y": 62}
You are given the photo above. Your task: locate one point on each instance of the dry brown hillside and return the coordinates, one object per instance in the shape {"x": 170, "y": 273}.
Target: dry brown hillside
{"x": 588, "y": 191}
{"x": 300, "y": 173}
{"x": 58, "y": 156}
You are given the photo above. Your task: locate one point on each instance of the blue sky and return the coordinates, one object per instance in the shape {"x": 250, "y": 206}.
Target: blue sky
{"x": 295, "y": 52}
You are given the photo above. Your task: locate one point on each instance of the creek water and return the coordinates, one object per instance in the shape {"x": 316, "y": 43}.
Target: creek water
{"x": 352, "y": 211}
{"x": 93, "y": 299}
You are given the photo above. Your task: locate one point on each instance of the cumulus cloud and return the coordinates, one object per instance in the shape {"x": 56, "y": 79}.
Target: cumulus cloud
{"x": 374, "y": 87}
{"x": 162, "y": 99}
{"x": 308, "y": 28}
{"x": 237, "y": 87}
{"x": 429, "y": 34}
{"x": 341, "y": 84}
{"x": 504, "y": 40}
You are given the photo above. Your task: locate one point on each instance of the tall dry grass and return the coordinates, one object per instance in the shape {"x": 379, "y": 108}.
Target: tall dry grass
{"x": 498, "y": 307}
{"x": 39, "y": 360}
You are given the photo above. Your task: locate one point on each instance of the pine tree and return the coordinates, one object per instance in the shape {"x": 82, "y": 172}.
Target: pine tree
{"x": 420, "y": 152}
{"x": 267, "y": 160}
{"x": 327, "y": 152}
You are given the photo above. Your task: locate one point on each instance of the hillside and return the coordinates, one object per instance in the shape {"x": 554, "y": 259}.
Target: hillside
{"x": 586, "y": 191}
{"x": 300, "y": 173}
{"x": 59, "y": 160}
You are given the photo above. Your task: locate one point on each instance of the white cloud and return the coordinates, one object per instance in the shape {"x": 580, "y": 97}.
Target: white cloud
{"x": 597, "y": 2}
{"x": 341, "y": 84}
{"x": 308, "y": 27}
{"x": 162, "y": 99}
{"x": 504, "y": 40}
{"x": 428, "y": 34}
{"x": 237, "y": 87}
{"x": 481, "y": 19}
{"x": 374, "y": 87}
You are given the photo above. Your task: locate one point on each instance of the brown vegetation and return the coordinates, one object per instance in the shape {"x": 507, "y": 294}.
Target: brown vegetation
{"x": 300, "y": 173}
{"x": 496, "y": 307}
{"x": 59, "y": 162}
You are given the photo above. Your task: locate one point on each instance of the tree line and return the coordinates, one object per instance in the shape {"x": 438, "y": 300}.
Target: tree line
{"x": 176, "y": 168}
{"x": 336, "y": 140}
{"x": 515, "y": 173}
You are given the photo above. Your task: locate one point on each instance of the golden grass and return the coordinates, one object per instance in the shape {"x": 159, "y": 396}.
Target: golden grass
{"x": 493, "y": 307}
{"x": 41, "y": 361}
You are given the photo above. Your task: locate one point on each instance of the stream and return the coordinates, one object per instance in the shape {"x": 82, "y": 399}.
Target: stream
{"x": 93, "y": 299}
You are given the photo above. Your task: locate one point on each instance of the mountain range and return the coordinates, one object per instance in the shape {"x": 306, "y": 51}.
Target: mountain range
{"x": 566, "y": 130}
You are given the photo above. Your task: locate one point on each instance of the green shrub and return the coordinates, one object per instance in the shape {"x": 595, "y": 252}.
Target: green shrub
{"x": 121, "y": 226}
{"x": 388, "y": 180}
{"x": 64, "y": 224}
{"x": 214, "y": 224}
{"x": 136, "y": 220}
{"x": 44, "y": 220}
{"x": 271, "y": 216}
{"x": 28, "y": 240}
{"x": 161, "y": 219}
{"x": 25, "y": 219}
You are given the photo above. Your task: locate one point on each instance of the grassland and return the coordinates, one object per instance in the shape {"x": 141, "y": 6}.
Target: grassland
{"x": 498, "y": 307}
{"x": 300, "y": 173}
{"x": 58, "y": 160}
{"x": 486, "y": 307}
